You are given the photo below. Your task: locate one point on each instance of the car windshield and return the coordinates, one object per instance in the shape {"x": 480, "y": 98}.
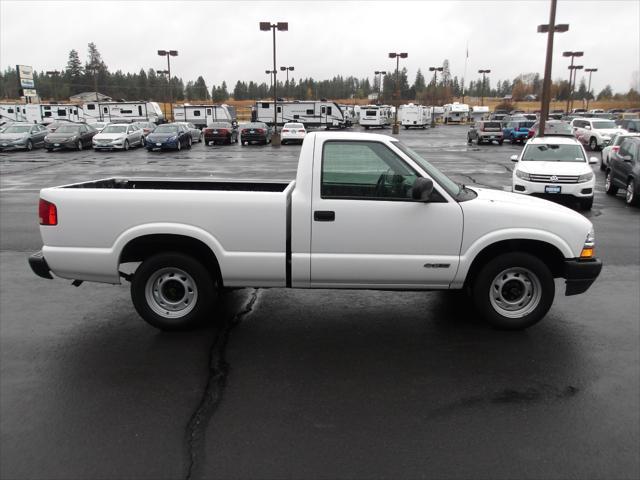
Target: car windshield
{"x": 18, "y": 129}
{"x": 604, "y": 124}
{"x": 220, "y": 125}
{"x": 256, "y": 125}
{"x": 115, "y": 129}
{"x": 549, "y": 152}
{"x": 294, "y": 125}
{"x": 449, "y": 185}
{"x": 68, "y": 129}
{"x": 166, "y": 129}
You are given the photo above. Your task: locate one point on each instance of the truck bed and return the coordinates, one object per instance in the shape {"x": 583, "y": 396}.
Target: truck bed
{"x": 183, "y": 184}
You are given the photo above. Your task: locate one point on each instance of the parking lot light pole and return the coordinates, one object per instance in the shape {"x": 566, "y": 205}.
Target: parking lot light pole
{"x": 396, "y": 128}
{"x": 435, "y": 71}
{"x": 270, "y": 73}
{"x": 283, "y": 27}
{"x": 573, "y": 85}
{"x": 165, "y": 72}
{"x": 54, "y": 74}
{"x": 549, "y": 29}
{"x": 380, "y": 73}
{"x": 169, "y": 54}
{"x": 287, "y": 69}
{"x": 589, "y": 71}
{"x": 483, "y": 72}
{"x": 571, "y": 73}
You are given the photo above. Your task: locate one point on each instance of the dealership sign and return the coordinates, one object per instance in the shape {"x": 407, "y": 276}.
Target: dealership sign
{"x": 25, "y": 78}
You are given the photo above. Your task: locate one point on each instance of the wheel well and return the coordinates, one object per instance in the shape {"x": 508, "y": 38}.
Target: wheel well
{"x": 141, "y": 248}
{"x": 546, "y": 252}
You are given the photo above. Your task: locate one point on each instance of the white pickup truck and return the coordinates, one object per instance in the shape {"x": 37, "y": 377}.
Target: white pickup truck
{"x": 364, "y": 212}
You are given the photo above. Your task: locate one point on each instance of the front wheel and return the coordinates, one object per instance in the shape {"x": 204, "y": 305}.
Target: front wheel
{"x": 630, "y": 196}
{"x": 29, "y": 145}
{"x": 189, "y": 142}
{"x": 173, "y": 291}
{"x": 179, "y": 145}
{"x": 79, "y": 145}
{"x": 609, "y": 187}
{"x": 126, "y": 145}
{"x": 513, "y": 291}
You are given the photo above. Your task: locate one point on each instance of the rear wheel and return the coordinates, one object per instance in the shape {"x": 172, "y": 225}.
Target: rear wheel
{"x": 126, "y": 145}
{"x": 500, "y": 142}
{"x": 603, "y": 167}
{"x": 189, "y": 141}
{"x": 173, "y": 291}
{"x": 630, "y": 196}
{"x": 593, "y": 144}
{"x": 79, "y": 145}
{"x": 609, "y": 187}
{"x": 179, "y": 147}
{"x": 513, "y": 291}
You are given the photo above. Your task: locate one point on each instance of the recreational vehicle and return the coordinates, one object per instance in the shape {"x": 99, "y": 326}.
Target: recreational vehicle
{"x": 310, "y": 113}
{"x": 378, "y": 116}
{"x": 456, "y": 112}
{"x": 123, "y": 112}
{"x": 414, "y": 116}
{"x": 40, "y": 113}
{"x": 479, "y": 113}
{"x": 203, "y": 115}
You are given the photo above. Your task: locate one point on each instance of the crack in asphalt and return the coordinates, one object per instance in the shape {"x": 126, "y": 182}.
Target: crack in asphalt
{"x": 212, "y": 395}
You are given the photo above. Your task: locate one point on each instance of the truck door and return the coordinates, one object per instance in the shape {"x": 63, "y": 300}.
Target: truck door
{"x": 367, "y": 231}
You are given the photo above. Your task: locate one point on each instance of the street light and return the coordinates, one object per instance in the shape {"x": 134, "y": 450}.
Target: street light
{"x": 589, "y": 71}
{"x": 380, "y": 73}
{"x": 549, "y": 29}
{"x": 435, "y": 71}
{"x": 165, "y": 72}
{"x": 283, "y": 27}
{"x": 397, "y": 56}
{"x": 271, "y": 75}
{"x": 55, "y": 74}
{"x": 572, "y": 55}
{"x": 573, "y": 85}
{"x": 483, "y": 72}
{"x": 169, "y": 54}
{"x": 287, "y": 69}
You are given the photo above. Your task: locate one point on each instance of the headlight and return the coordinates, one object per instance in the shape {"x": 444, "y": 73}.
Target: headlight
{"x": 589, "y": 245}
{"x": 523, "y": 175}
{"x": 585, "y": 178}
{"x": 173, "y": 139}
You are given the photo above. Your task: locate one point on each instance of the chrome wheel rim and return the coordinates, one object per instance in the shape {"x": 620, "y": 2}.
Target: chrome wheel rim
{"x": 630, "y": 192}
{"x": 515, "y": 292}
{"x": 171, "y": 292}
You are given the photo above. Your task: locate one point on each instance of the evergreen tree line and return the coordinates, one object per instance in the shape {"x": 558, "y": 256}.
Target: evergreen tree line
{"x": 77, "y": 77}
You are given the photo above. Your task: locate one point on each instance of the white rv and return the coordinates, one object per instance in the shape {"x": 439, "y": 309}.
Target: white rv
{"x": 378, "y": 116}
{"x": 123, "y": 112}
{"x": 456, "y": 112}
{"x": 414, "y": 116}
{"x": 350, "y": 116}
{"x": 41, "y": 113}
{"x": 203, "y": 115}
{"x": 310, "y": 113}
{"x": 437, "y": 113}
{"x": 479, "y": 112}
{"x": 12, "y": 112}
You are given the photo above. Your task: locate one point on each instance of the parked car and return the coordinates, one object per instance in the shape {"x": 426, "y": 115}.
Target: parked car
{"x": 517, "y": 130}
{"x": 195, "y": 132}
{"x": 366, "y": 212}
{"x": 485, "y": 131}
{"x": 631, "y": 125}
{"x": 173, "y": 136}
{"x": 556, "y": 114}
{"x": 4, "y": 124}
{"x": 579, "y": 111}
{"x": 70, "y": 136}
{"x": 624, "y": 170}
{"x": 220, "y": 132}
{"x": 25, "y": 136}
{"x": 594, "y": 132}
{"x": 119, "y": 136}
{"x": 552, "y": 127}
{"x": 292, "y": 133}
{"x": 555, "y": 168}
{"x": 615, "y": 110}
{"x": 255, "y": 132}
{"x": 147, "y": 128}
{"x": 53, "y": 126}
{"x": 99, "y": 126}
{"x": 609, "y": 150}
{"x": 596, "y": 110}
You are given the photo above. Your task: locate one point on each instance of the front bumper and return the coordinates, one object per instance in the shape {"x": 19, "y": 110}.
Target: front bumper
{"x": 580, "y": 274}
{"x": 54, "y": 145}
{"x": 151, "y": 145}
{"x": 253, "y": 138}
{"x": 39, "y": 265}
{"x": 577, "y": 190}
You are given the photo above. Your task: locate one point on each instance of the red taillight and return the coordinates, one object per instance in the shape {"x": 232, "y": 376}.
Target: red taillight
{"x": 285, "y": 130}
{"x": 260, "y": 130}
{"x": 224, "y": 131}
{"x": 48, "y": 213}
{"x": 207, "y": 130}
{"x": 615, "y": 148}
{"x": 244, "y": 130}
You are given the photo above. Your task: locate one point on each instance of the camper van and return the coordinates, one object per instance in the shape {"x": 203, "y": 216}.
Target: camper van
{"x": 350, "y": 115}
{"x": 456, "y": 112}
{"x": 310, "y": 113}
{"x": 123, "y": 112}
{"x": 378, "y": 116}
{"x": 414, "y": 116}
{"x": 203, "y": 115}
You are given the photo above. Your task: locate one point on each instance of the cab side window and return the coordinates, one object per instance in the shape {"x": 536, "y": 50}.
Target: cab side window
{"x": 364, "y": 171}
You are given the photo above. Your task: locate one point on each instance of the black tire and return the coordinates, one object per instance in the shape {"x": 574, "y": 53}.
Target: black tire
{"x": 593, "y": 144}
{"x": 469, "y": 140}
{"x": 189, "y": 142}
{"x": 126, "y": 145}
{"x": 631, "y": 198}
{"x": 603, "y": 167}
{"x": 142, "y": 142}
{"x": 179, "y": 147}
{"x": 479, "y": 141}
{"x": 366, "y": 127}
{"x": 609, "y": 187}
{"x": 79, "y": 145}
{"x": 586, "y": 203}
{"x": 173, "y": 276}
{"x": 521, "y": 276}
{"x": 29, "y": 145}
{"x": 49, "y": 149}
{"x": 500, "y": 142}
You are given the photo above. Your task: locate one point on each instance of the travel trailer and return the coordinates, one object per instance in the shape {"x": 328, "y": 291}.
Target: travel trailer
{"x": 375, "y": 116}
{"x": 479, "y": 112}
{"x": 310, "y": 113}
{"x": 41, "y": 113}
{"x": 203, "y": 115}
{"x": 414, "y": 116}
{"x": 456, "y": 112}
{"x": 123, "y": 112}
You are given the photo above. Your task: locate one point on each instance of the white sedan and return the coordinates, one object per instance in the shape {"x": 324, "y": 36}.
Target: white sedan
{"x": 119, "y": 136}
{"x": 292, "y": 133}
{"x": 555, "y": 168}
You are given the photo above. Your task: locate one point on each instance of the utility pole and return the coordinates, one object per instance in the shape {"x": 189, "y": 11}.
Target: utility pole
{"x": 169, "y": 54}
{"x": 573, "y": 85}
{"x": 483, "y": 72}
{"x": 283, "y": 27}
{"x": 287, "y": 69}
{"x": 396, "y": 128}
{"x": 589, "y": 71}
{"x": 571, "y": 74}
{"x": 380, "y": 73}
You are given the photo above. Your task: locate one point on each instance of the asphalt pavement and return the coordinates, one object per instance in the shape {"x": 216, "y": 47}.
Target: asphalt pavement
{"x": 311, "y": 384}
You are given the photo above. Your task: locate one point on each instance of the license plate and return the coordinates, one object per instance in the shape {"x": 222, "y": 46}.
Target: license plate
{"x": 158, "y": 144}
{"x": 56, "y": 144}
{"x": 252, "y": 131}
{"x": 215, "y": 131}
{"x": 552, "y": 189}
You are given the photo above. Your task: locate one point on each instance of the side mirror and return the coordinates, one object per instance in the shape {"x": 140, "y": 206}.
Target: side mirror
{"x": 422, "y": 189}
{"x": 593, "y": 160}
{"x": 514, "y": 158}
{"x": 588, "y": 127}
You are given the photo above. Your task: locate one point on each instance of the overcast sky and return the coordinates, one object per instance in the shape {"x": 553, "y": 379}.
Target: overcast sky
{"x": 222, "y": 40}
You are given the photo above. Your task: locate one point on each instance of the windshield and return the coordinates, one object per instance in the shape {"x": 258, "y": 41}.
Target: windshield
{"x": 548, "y": 152}
{"x": 256, "y": 125}
{"x": 115, "y": 129}
{"x": 166, "y": 129}
{"x": 294, "y": 125}
{"x": 603, "y": 124}
{"x": 18, "y": 129}
{"x": 219, "y": 125}
{"x": 68, "y": 129}
{"x": 449, "y": 185}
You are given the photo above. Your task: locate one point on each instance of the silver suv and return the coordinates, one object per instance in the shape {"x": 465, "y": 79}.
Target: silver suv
{"x": 485, "y": 131}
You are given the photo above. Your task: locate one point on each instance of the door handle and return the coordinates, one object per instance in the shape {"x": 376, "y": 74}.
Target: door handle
{"x": 324, "y": 216}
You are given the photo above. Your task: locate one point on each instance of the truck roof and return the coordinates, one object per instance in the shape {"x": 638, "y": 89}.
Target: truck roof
{"x": 334, "y": 135}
